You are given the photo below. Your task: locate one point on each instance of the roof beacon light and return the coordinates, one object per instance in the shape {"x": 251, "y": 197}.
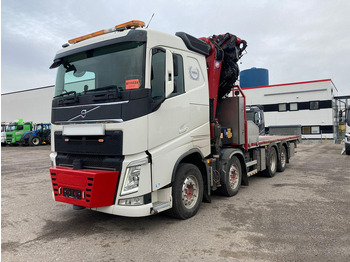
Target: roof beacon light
{"x": 127, "y": 25}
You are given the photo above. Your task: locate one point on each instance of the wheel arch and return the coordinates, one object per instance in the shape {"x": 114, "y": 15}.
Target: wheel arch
{"x": 194, "y": 156}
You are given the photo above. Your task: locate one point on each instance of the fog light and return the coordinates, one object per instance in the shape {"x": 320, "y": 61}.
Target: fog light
{"x": 135, "y": 201}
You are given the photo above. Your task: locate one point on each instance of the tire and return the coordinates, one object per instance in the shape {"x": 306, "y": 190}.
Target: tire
{"x": 187, "y": 191}
{"x": 271, "y": 163}
{"x": 281, "y": 166}
{"x": 34, "y": 141}
{"x": 233, "y": 178}
{"x": 48, "y": 139}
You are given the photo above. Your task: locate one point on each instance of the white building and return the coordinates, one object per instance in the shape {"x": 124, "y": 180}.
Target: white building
{"x": 30, "y": 105}
{"x": 310, "y": 104}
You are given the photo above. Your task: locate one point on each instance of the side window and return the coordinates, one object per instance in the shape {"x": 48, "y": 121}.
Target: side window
{"x": 257, "y": 118}
{"x": 158, "y": 74}
{"x": 179, "y": 85}
{"x": 19, "y": 127}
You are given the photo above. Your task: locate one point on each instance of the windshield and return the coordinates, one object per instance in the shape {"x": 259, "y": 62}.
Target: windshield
{"x": 250, "y": 115}
{"x": 116, "y": 66}
{"x": 11, "y": 128}
{"x": 348, "y": 117}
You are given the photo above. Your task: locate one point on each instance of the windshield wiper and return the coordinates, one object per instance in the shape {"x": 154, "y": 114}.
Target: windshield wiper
{"x": 105, "y": 88}
{"x": 70, "y": 99}
{"x": 68, "y": 93}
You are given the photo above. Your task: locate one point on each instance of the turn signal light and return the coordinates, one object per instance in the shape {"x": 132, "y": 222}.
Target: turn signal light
{"x": 127, "y": 25}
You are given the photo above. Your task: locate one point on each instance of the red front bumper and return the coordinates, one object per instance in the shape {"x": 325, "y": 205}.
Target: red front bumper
{"x": 87, "y": 188}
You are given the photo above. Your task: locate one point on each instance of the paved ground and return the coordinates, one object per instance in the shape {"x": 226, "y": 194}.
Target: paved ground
{"x": 302, "y": 214}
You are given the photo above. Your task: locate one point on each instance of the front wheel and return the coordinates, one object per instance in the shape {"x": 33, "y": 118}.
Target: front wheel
{"x": 48, "y": 139}
{"x": 187, "y": 191}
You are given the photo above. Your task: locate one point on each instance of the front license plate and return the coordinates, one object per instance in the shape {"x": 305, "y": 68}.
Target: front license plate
{"x": 72, "y": 193}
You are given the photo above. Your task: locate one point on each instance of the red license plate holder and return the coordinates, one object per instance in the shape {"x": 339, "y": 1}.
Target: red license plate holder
{"x": 85, "y": 187}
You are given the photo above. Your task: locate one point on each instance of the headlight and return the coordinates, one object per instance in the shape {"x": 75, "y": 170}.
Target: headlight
{"x": 132, "y": 177}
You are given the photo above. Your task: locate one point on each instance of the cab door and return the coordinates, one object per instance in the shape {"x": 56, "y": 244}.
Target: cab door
{"x": 168, "y": 124}
{"x": 170, "y": 115}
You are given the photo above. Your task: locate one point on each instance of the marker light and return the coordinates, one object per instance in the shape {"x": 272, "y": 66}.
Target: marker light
{"x": 127, "y": 25}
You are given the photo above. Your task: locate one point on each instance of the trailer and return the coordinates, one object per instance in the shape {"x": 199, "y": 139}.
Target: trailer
{"x": 145, "y": 122}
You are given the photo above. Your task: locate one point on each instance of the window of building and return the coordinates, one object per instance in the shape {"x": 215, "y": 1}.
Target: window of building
{"x": 314, "y": 105}
{"x": 293, "y": 106}
{"x": 282, "y": 107}
{"x": 306, "y": 130}
{"x": 315, "y": 130}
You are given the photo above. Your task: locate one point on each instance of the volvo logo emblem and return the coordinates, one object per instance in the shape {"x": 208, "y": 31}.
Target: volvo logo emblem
{"x": 83, "y": 113}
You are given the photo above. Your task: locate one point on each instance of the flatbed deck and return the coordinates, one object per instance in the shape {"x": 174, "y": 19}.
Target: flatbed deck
{"x": 265, "y": 140}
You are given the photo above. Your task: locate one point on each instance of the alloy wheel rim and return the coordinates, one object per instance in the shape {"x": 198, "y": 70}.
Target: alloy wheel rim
{"x": 189, "y": 192}
{"x": 233, "y": 176}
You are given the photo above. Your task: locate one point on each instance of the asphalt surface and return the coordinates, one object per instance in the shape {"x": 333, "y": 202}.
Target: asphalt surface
{"x": 302, "y": 214}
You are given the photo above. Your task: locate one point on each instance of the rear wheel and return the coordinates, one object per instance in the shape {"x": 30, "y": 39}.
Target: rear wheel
{"x": 281, "y": 166}
{"x": 187, "y": 191}
{"x": 233, "y": 178}
{"x": 48, "y": 139}
{"x": 271, "y": 163}
{"x": 34, "y": 141}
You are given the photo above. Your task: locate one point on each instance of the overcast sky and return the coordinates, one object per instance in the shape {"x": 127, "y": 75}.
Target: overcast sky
{"x": 296, "y": 40}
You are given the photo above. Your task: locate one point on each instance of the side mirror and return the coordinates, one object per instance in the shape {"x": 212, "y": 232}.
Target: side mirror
{"x": 340, "y": 114}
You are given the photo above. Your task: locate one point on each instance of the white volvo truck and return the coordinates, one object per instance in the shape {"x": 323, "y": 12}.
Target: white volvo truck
{"x": 144, "y": 122}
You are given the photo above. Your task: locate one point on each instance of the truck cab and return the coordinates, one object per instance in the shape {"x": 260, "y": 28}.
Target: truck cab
{"x": 3, "y": 133}
{"x": 16, "y": 129}
{"x": 132, "y": 104}
{"x": 256, "y": 115}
